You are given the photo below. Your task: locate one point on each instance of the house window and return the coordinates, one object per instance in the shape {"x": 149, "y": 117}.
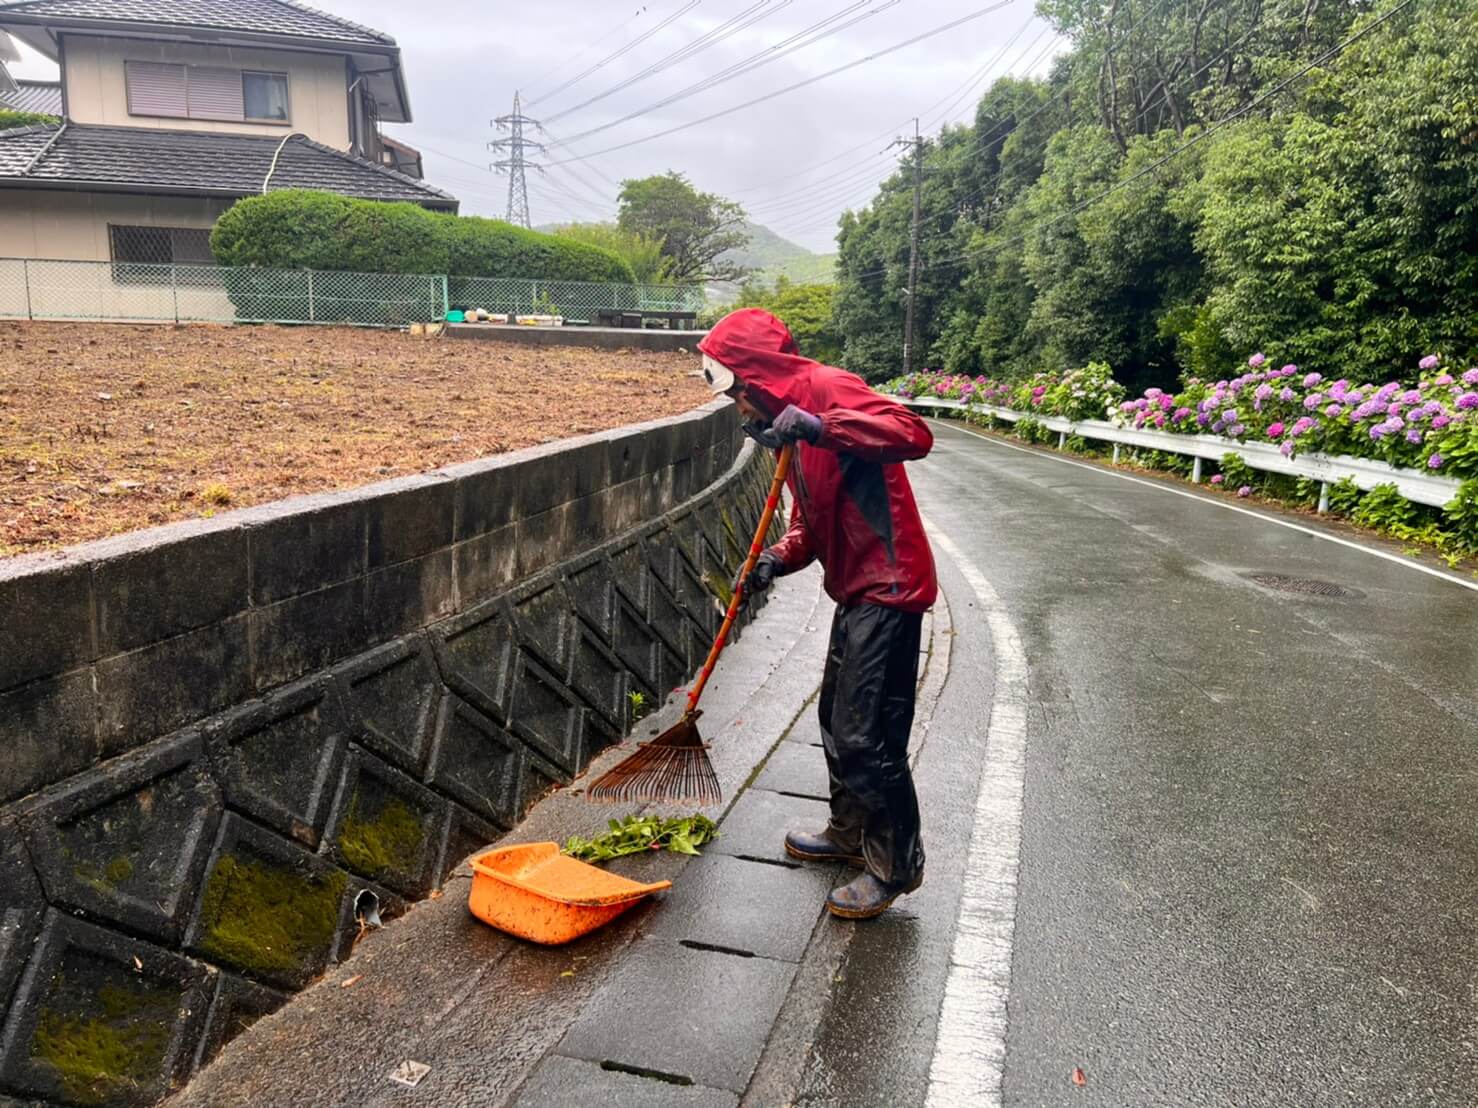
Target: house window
{"x": 205, "y": 92}
{"x": 161, "y": 245}
{"x": 265, "y": 96}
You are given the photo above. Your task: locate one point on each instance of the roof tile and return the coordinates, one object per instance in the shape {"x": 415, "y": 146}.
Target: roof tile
{"x": 34, "y": 96}
{"x": 276, "y": 17}
{"x": 170, "y": 161}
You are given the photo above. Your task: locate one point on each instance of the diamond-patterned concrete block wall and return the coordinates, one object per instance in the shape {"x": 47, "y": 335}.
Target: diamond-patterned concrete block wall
{"x": 218, "y": 743}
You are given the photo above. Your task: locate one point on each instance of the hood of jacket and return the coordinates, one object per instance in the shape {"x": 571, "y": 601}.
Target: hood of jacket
{"x": 763, "y": 354}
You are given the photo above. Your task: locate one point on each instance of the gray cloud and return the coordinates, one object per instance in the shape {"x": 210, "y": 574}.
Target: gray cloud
{"x": 463, "y": 69}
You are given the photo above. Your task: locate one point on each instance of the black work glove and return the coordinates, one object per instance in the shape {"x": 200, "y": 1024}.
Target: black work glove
{"x": 796, "y": 425}
{"x": 761, "y": 434}
{"x": 766, "y": 568}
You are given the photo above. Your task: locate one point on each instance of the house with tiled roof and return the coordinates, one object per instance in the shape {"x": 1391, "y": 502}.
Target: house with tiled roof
{"x": 171, "y": 110}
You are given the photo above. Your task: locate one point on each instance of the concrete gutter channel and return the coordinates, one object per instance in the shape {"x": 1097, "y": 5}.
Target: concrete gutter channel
{"x": 707, "y": 996}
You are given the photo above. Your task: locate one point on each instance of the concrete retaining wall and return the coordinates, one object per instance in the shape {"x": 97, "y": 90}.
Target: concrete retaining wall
{"x": 216, "y": 736}
{"x": 596, "y": 338}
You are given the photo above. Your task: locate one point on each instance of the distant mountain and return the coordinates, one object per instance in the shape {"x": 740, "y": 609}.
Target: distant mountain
{"x": 771, "y": 256}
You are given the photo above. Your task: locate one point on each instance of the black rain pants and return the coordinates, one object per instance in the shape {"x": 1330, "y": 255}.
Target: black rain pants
{"x": 866, "y": 707}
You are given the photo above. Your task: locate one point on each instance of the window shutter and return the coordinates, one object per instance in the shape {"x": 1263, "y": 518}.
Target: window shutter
{"x": 155, "y": 88}
{"x": 214, "y": 93}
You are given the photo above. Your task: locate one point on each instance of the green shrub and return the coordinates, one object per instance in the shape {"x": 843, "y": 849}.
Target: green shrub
{"x": 302, "y": 229}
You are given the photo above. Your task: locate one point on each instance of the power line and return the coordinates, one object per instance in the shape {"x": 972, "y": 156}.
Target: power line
{"x": 630, "y": 46}
{"x": 817, "y": 31}
{"x": 725, "y": 30}
{"x": 977, "y": 14}
{"x": 641, "y": 11}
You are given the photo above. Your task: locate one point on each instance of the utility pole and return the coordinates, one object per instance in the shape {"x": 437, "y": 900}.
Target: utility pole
{"x": 917, "y": 142}
{"x": 516, "y": 163}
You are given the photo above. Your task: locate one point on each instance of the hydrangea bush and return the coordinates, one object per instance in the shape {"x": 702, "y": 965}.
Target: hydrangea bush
{"x": 1428, "y": 421}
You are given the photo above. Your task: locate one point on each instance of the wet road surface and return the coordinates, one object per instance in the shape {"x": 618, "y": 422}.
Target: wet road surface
{"x": 1248, "y": 851}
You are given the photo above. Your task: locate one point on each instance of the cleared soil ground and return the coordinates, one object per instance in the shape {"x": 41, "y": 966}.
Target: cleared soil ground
{"x": 107, "y": 428}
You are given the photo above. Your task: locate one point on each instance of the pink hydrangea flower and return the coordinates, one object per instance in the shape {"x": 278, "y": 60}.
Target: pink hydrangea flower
{"x": 1275, "y": 430}
{"x": 1431, "y": 361}
{"x": 1257, "y": 360}
{"x": 1217, "y": 479}
{"x": 1245, "y": 491}
{"x": 1435, "y": 461}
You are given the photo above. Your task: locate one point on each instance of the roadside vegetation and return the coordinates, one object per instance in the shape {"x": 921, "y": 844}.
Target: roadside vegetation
{"x": 1429, "y": 424}
{"x": 1176, "y": 191}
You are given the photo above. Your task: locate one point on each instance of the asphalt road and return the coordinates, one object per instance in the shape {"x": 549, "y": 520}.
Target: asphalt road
{"x": 1248, "y": 840}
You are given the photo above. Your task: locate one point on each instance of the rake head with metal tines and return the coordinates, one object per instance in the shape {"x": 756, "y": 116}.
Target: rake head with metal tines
{"x": 672, "y": 768}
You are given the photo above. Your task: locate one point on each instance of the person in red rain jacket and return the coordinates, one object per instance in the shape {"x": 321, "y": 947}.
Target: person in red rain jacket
{"x": 852, "y": 510}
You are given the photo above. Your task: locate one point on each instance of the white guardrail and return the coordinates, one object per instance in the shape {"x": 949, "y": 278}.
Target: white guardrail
{"x": 1422, "y": 488}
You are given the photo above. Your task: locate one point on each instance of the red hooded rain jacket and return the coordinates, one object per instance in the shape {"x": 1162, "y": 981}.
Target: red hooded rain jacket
{"x": 852, "y": 504}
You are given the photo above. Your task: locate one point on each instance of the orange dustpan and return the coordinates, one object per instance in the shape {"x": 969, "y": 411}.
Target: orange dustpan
{"x": 535, "y": 892}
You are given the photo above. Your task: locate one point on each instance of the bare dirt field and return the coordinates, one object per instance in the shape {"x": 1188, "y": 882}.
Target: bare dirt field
{"x": 108, "y": 428}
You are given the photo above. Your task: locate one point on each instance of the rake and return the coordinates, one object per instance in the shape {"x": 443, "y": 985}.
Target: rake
{"x": 674, "y": 767}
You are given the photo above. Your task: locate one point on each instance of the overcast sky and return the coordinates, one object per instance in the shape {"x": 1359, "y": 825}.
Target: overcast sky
{"x": 463, "y": 69}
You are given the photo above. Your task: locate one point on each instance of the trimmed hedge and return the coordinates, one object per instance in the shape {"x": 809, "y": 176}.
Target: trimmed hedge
{"x": 304, "y": 229}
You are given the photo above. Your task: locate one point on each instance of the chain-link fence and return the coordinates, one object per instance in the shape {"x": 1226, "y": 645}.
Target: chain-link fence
{"x": 148, "y": 292}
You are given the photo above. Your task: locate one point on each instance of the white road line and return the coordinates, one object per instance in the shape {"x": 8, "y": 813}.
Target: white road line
{"x": 970, "y": 1048}
{"x": 1396, "y": 558}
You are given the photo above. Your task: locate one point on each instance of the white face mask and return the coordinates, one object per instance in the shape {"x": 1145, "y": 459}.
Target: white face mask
{"x": 718, "y": 376}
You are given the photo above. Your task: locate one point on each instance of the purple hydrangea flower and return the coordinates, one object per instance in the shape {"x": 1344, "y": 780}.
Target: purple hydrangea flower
{"x": 1368, "y": 409}
{"x": 1287, "y": 395}
{"x": 1431, "y": 361}
{"x": 1471, "y": 377}
{"x": 1203, "y": 419}
{"x": 1412, "y": 396}
{"x": 1166, "y": 403}
{"x": 1287, "y": 448}
{"x": 1435, "y": 461}
{"x": 1238, "y": 430}
{"x": 1333, "y": 410}
{"x": 1313, "y": 400}
{"x": 1180, "y": 414}
{"x": 1467, "y": 401}
{"x": 1312, "y": 379}
{"x": 1289, "y": 370}
{"x": 1257, "y": 360}
{"x": 1301, "y": 425}
{"x": 1440, "y": 422}
{"x": 1245, "y": 491}
{"x": 1445, "y": 379}
{"x": 1413, "y": 436}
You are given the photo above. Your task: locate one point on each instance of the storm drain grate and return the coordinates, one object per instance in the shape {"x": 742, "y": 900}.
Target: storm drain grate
{"x": 1303, "y": 586}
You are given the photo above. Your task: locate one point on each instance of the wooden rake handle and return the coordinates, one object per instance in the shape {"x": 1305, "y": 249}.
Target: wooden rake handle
{"x": 782, "y": 468}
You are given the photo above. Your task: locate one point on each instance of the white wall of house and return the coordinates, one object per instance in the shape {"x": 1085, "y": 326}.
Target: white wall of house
{"x": 96, "y": 90}
{"x": 45, "y": 223}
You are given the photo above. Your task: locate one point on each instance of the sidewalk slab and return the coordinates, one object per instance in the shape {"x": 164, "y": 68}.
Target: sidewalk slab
{"x": 755, "y": 827}
{"x": 797, "y": 770}
{"x": 763, "y": 909}
{"x": 560, "y": 1082}
{"x": 692, "y": 1014}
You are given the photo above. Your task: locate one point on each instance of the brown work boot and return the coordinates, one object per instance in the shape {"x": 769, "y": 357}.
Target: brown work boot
{"x": 866, "y": 897}
{"x": 818, "y": 848}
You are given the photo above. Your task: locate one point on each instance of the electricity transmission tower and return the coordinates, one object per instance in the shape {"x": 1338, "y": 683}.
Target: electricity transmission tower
{"x": 516, "y": 163}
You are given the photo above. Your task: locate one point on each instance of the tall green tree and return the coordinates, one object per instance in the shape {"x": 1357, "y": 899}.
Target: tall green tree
{"x": 695, "y": 228}
{"x": 642, "y": 252}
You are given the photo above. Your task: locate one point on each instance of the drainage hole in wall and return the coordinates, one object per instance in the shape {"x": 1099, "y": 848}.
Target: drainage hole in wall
{"x": 693, "y": 944}
{"x": 642, "y": 1071}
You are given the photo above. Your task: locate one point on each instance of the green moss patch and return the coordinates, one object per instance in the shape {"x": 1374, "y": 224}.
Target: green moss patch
{"x": 268, "y": 919}
{"x": 390, "y": 841}
{"x": 720, "y": 586}
{"x": 99, "y": 1057}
